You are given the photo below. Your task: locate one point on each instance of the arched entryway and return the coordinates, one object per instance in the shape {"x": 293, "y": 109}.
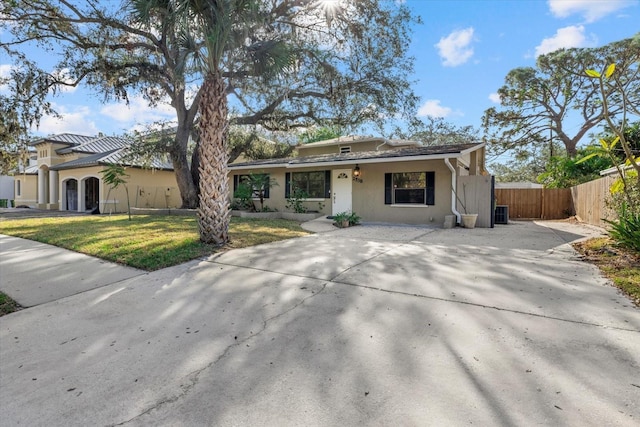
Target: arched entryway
{"x": 91, "y": 193}
{"x": 71, "y": 194}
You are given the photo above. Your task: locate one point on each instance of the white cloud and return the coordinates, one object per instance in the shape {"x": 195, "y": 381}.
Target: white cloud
{"x": 591, "y": 10}
{"x": 495, "y": 97}
{"x": 5, "y": 73}
{"x": 138, "y": 111}
{"x": 63, "y": 75}
{"x": 432, "y": 108}
{"x": 455, "y": 49}
{"x": 567, "y": 37}
{"x": 77, "y": 121}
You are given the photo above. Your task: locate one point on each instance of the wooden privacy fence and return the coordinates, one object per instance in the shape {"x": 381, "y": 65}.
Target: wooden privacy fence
{"x": 536, "y": 203}
{"x": 589, "y": 201}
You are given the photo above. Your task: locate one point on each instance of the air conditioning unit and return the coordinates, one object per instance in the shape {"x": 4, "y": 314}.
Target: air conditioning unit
{"x": 502, "y": 214}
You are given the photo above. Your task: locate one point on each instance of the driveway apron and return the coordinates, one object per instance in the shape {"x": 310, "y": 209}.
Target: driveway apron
{"x": 370, "y": 325}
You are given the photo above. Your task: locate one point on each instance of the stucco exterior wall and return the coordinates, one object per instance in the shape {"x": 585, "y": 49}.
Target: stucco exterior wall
{"x": 28, "y": 190}
{"x": 311, "y": 150}
{"x": 47, "y": 154}
{"x": 147, "y": 188}
{"x": 368, "y": 196}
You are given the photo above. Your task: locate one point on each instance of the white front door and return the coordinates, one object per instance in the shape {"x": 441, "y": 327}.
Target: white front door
{"x": 341, "y": 190}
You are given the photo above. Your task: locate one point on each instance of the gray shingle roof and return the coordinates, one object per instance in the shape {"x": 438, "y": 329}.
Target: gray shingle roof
{"x": 353, "y": 157}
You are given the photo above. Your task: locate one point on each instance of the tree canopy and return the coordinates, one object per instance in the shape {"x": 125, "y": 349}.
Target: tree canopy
{"x": 346, "y": 64}
{"x": 545, "y": 102}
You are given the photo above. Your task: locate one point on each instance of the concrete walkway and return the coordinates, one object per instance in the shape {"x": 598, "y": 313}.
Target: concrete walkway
{"x": 367, "y": 325}
{"x": 34, "y": 273}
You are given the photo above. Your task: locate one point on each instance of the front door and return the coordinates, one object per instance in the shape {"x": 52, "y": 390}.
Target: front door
{"x": 341, "y": 190}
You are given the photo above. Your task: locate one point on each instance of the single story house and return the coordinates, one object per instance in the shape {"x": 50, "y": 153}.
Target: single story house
{"x": 67, "y": 175}
{"x": 381, "y": 180}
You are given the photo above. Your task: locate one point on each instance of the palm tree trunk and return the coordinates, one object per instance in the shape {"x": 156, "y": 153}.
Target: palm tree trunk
{"x": 214, "y": 210}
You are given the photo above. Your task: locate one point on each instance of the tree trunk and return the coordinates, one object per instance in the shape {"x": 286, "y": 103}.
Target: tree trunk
{"x": 214, "y": 211}
{"x": 188, "y": 191}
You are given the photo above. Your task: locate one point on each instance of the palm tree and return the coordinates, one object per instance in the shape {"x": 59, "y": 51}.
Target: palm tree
{"x": 224, "y": 40}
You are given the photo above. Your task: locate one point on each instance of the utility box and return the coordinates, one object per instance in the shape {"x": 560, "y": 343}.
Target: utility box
{"x": 502, "y": 214}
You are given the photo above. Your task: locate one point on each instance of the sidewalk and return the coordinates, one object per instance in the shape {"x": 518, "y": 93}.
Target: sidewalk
{"x": 34, "y": 273}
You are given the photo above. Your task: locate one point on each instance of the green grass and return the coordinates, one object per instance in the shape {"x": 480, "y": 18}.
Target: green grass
{"x": 620, "y": 265}
{"x": 7, "y": 305}
{"x": 146, "y": 242}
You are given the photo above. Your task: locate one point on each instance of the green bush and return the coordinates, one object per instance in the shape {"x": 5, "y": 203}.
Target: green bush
{"x": 626, "y": 230}
{"x": 354, "y": 219}
{"x": 296, "y": 200}
{"x": 244, "y": 197}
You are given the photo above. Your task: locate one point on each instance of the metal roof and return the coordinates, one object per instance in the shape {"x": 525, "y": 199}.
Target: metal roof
{"x": 117, "y": 156}
{"x": 100, "y": 144}
{"x": 64, "y": 138}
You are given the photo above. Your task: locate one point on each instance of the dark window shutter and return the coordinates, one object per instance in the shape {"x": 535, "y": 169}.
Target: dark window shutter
{"x": 266, "y": 188}
{"x": 388, "y": 189}
{"x": 235, "y": 183}
{"x": 287, "y": 184}
{"x": 327, "y": 184}
{"x": 431, "y": 189}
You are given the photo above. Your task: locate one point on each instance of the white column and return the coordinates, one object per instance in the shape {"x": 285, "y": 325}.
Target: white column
{"x": 81, "y": 185}
{"x": 53, "y": 187}
{"x": 42, "y": 187}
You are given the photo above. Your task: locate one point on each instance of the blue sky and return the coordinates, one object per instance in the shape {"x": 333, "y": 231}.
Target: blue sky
{"x": 463, "y": 50}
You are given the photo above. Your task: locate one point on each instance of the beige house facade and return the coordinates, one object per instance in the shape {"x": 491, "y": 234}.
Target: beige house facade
{"x": 68, "y": 176}
{"x": 381, "y": 180}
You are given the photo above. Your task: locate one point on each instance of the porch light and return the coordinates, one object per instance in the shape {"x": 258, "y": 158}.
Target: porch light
{"x": 356, "y": 174}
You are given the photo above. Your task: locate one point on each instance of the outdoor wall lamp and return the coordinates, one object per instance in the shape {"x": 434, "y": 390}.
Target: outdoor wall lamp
{"x": 356, "y": 174}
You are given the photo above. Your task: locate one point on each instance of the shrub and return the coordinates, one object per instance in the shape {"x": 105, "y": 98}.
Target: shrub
{"x": 341, "y": 218}
{"x": 296, "y": 200}
{"x": 354, "y": 219}
{"x": 244, "y": 197}
{"x": 626, "y": 230}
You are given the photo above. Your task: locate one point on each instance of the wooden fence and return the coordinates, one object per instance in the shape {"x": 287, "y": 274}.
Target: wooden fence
{"x": 589, "y": 201}
{"x": 536, "y": 203}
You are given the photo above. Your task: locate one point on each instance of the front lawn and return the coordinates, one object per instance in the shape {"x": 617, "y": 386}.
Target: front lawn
{"x": 145, "y": 242}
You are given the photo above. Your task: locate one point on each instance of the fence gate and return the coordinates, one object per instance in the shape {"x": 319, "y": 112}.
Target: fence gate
{"x": 536, "y": 203}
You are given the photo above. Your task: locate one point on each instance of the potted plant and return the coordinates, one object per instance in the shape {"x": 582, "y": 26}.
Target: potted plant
{"x": 468, "y": 219}
{"x": 342, "y": 219}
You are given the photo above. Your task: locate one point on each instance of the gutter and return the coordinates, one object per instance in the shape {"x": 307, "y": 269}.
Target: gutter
{"x": 454, "y": 183}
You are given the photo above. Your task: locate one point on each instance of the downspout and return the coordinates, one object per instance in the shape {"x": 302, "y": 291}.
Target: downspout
{"x": 453, "y": 190}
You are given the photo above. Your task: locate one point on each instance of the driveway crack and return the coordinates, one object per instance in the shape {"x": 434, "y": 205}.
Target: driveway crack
{"x": 194, "y": 376}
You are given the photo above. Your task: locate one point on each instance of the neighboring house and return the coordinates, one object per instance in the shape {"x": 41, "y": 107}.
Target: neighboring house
{"x": 67, "y": 176}
{"x": 380, "y": 180}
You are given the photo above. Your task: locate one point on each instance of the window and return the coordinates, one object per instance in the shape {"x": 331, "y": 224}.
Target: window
{"x": 345, "y": 149}
{"x": 240, "y": 179}
{"x": 409, "y": 188}
{"x": 315, "y": 184}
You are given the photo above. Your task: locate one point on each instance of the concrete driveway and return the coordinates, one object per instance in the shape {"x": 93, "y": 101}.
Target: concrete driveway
{"x": 363, "y": 326}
